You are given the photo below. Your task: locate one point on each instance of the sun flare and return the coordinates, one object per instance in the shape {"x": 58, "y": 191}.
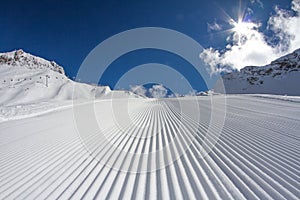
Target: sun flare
{"x": 243, "y": 28}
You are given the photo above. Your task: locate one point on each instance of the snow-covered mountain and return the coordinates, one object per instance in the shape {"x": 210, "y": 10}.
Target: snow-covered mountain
{"x": 29, "y": 79}
{"x": 32, "y": 83}
{"x": 21, "y": 58}
{"x": 281, "y": 76}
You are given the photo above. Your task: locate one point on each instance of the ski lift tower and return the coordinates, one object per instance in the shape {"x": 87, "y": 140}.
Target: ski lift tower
{"x": 47, "y": 76}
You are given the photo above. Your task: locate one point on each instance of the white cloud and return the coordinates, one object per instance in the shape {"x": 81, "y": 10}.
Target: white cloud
{"x": 248, "y": 46}
{"x": 259, "y": 2}
{"x": 249, "y": 11}
{"x": 138, "y": 89}
{"x": 214, "y": 27}
{"x": 158, "y": 91}
{"x": 286, "y": 25}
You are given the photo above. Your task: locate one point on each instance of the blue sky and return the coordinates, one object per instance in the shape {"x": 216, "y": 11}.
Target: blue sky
{"x": 66, "y": 31}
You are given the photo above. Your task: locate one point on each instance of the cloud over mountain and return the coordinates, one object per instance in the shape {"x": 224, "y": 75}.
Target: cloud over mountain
{"x": 247, "y": 45}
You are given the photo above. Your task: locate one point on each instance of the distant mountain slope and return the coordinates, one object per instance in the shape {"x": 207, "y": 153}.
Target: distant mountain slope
{"x": 281, "y": 76}
{"x": 28, "y": 79}
{"x": 29, "y": 83}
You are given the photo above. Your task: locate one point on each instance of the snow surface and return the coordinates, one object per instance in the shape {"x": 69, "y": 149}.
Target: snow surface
{"x": 256, "y": 157}
{"x": 65, "y": 140}
{"x": 29, "y": 85}
{"x": 281, "y": 77}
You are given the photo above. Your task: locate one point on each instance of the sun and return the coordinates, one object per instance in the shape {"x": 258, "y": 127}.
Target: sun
{"x": 240, "y": 28}
{"x": 243, "y": 28}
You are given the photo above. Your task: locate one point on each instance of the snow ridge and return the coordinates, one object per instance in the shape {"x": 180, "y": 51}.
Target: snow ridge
{"x": 279, "y": 77}
{"x": 21, "y": 58}
{"x": 30, "y": 85}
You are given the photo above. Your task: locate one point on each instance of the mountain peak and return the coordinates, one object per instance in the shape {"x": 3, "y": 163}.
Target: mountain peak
{"x": 281, "y": 76}
{"x": 21, "y": 58}
{"x": 290, "y": 58}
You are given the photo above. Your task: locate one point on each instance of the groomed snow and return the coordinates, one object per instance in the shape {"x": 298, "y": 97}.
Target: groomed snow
{"x": 256, "y": 156}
